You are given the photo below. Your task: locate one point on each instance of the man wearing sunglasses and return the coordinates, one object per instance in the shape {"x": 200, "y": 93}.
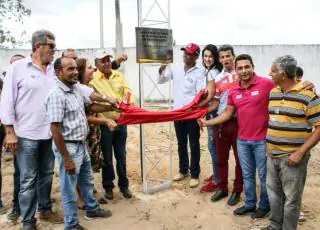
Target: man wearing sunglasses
{"x": 26, "y": 85}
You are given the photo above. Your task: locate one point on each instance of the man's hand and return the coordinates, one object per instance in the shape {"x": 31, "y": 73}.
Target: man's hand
{"x": 308, "y": 85}
{"x": 69, "y": 166}
{"x": 121, "y": 58}
{"x": 202, "y": 122}
{"x": 11, "y": 142}
{"x": 295, "y": 158}
{"x": 114, "y": 102}
{"x": 162, "y": 68}
{"x": 111, "y": 124}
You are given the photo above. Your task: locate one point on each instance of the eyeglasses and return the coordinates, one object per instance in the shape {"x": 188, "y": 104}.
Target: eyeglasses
{"x": 51, "y": 45}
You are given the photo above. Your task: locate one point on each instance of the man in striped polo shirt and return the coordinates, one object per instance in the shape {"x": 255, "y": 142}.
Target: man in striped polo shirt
{"x": 294, "y": 128}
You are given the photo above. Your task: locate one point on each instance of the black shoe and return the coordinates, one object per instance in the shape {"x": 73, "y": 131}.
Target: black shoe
{"x": 77, "y": 227}
{"x": 126, "y": 193}
{"x": 109, "y": 194}
{"x": 13, "y": 215}
{"x": 260, "y": 213}
{"x": 218, "y": 195}
{"x": 99, "y": 213}
{"x": 234, "y": 198}
{"x": 243, "y": 211}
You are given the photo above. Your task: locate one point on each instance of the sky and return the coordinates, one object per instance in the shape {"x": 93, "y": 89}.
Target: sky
{"x": 76, "y": 22}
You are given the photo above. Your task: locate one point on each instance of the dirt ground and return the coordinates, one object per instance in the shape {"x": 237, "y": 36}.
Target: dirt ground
{"x": 178, "y": 207}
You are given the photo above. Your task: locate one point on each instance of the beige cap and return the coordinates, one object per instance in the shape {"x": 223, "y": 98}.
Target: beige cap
{"x": 102, "y": 54}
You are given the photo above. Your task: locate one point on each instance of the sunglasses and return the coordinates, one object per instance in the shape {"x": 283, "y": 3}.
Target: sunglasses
{"x": 51, "y": 45}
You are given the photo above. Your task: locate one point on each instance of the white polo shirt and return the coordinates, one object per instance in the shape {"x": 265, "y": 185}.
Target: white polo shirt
{"x": 185, "y": 84}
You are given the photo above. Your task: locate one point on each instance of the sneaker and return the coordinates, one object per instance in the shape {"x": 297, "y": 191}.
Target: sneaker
{"x": 210, "y": 187}
{"x": 126, "y": 193}
{"x": 13, "y": 215}
{"x": 194, "y": 183}
{"x": 242, "y": 211}
{"x": 260, "y": 213}
{"x": 208, "y": 179}
{"x": 3, "y": 210}
{"x": 99, "y": 213}
{"x": 52, "y": 217}
{"x": 77, "y": 227}
{"x": 180, "y": 176}
{"x": 108, "y": 194}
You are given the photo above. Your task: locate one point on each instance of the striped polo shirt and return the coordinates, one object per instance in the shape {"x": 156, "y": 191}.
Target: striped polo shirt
{"x": 292, "y": 116}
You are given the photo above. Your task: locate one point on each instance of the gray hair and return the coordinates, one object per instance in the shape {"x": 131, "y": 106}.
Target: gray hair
{"x": 40, "y": 36}
{"x": 287, "y": 64}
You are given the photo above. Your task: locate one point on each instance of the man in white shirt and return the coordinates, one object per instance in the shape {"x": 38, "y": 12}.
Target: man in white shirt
{"x": 187, "y": 81}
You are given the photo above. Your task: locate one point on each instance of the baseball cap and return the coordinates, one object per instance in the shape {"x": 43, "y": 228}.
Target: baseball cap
{"x": 192, "y": 48}
{"x": 102, "y": 54}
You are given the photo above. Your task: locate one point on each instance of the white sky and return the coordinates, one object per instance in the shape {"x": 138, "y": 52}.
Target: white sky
{"x": 76, "y": 22}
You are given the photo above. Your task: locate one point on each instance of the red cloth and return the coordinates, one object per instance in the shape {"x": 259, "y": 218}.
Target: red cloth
{"x": 134, "y": 115}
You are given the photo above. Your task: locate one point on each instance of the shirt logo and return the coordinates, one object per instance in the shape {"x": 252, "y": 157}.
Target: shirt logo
{"x": 239, "y": 96}
{"x": 255, "y": 93}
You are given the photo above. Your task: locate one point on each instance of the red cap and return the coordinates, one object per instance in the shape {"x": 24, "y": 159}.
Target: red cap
{"x": 192, "y": 49}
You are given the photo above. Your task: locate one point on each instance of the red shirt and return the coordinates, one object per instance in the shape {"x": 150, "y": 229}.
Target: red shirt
{"x": 252, "y": 108}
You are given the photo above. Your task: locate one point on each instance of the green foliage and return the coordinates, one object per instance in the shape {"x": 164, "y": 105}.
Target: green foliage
{"x": 11, "y": 10}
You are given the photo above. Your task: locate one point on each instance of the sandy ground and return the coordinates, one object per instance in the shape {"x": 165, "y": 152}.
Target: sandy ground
{"x": 178, "y": 207}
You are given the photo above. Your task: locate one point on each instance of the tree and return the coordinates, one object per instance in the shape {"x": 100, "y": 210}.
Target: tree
{"x": 11, "y": 10}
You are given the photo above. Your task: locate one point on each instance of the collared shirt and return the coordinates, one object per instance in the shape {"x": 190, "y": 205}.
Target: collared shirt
{"x": 224, "y": 81}
{"x": 22, "y": 100}
{"x": 252, "y": 108}
{"x": 116, "y": 86}
{"x": 186, "y": 84}
{"x": 65, "y": 105}
{"x": 292, "y": 116}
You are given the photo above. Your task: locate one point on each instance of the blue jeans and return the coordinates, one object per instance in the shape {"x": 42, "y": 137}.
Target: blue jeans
{"x": 213, "y": 153}
{"x": 68, "y": 183}
{"x": 252, "y": 157}
{"x": 36, "y": 163}
{"x": 114, "y": 142}
{"x": 16, "y": 186}
{"x": 2, "y": 135}
{"x": 185, "y": 130}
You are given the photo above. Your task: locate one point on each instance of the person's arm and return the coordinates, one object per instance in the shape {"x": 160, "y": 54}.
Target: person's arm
{"x": 225, "y": 116}
{"x": 8, "y": 98}
{"x": 214, "y": 105}
{"x": 99, "y": 108}
{"x": 89, "y": 93}
{"x": 55, "y": 107}
{"x": 211, "y": 89}
{"x": 111, "y": 124}
{"x": 117, "y": 62}
{"x": 165, "y": 74}
{"x": 58, "y": 139}
{"x": 313, "y": 111}
{"x": 11, "y": 139}
{"x": 95, "y": 96}
{"x": 295, "y": 158}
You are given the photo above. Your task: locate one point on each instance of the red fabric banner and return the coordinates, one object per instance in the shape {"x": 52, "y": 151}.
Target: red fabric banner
{"x": 132, "y": 114}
